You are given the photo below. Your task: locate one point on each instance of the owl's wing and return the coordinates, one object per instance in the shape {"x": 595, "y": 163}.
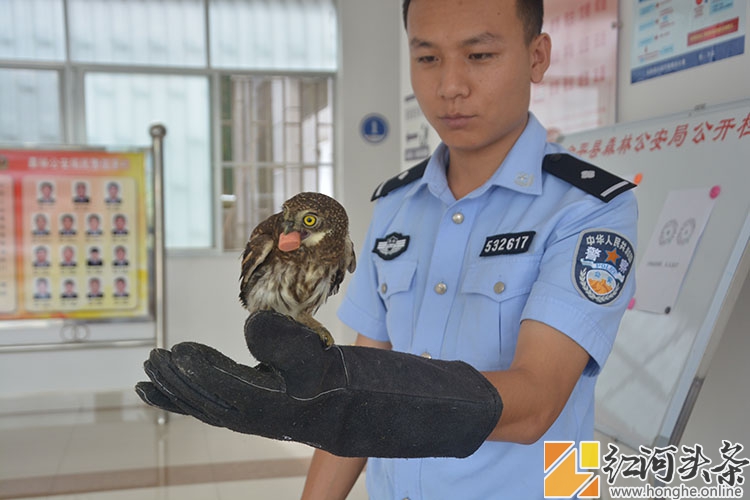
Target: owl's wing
{"x": 348, "y": 263}
{"x": 351, "y": 257}
{"x": 258, "y": 247}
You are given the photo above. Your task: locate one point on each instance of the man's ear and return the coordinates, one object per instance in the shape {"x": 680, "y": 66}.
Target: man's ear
{"x": 540, "y": 51}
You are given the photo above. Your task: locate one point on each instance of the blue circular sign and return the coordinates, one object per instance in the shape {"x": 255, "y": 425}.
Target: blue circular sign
{"x": 374, "y": 128}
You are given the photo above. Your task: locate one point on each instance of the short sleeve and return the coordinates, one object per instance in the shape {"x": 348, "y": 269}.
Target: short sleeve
{"x": 585, "y": 284}
{"x": 362, "y": 308}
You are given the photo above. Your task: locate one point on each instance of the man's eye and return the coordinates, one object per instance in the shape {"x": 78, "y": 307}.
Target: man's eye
{"x": 481, "y": 56}
{"x": 426, "y": 59}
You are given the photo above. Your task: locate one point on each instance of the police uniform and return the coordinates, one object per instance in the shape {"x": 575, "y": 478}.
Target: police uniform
{"x": 549, "y": 238}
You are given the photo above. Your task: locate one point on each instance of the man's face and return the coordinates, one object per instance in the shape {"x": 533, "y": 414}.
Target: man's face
{"x": 95, "y": 286}
{"x": 67, "y": 222}
{"x": 120, "y": 285}
{"x": 471, "y": 70}
{"x": 94, "y": 255}
{"x": 113, "y": 189}
{"x": 46, "y": 190}
{"x": 41, "y": 255}
{"x": 94, "y": 223}
{"x": 120, "y": 254}
{"x": 41, "y": 286}
{"x": 120, "y": 223}
{"x": 41, "y": 223}
{"x": 68, "y": 287}
{"x": 81, "y": 189}
{"x": 68, "y": 254}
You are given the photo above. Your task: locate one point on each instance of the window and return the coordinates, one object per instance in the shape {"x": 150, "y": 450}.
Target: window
{"x": 119, "y": 110}
{"x": 30, "y": 106}
{"x": 277, "y": 137}
{"x": 129, "y": 63}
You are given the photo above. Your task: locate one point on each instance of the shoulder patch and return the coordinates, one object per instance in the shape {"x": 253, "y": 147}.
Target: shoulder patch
{"x": 585, "y": 176}
{"x": 402, "y": 179}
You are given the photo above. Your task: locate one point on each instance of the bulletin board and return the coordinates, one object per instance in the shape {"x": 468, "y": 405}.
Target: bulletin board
{"x": 646, "y": 390}
{"x": 74, "y": 235}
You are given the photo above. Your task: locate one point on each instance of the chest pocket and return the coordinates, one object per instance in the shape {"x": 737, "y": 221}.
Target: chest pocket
{"x": 494, "y": 292}
{"x": 396, "y": 289}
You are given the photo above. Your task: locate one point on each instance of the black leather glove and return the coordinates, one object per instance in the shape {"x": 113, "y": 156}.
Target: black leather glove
{"x": 349, "y": 401}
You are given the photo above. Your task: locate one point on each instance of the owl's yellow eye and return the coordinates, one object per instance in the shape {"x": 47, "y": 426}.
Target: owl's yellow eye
{"x": 310, "y": 220}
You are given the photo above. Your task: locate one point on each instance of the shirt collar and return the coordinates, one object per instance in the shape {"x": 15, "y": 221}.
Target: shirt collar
{"x": 520, "y": 171}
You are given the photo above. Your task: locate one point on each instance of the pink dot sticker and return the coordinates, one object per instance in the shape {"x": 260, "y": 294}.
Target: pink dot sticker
{"x": 715, "y": 192}
{"x": 631, "y": 305}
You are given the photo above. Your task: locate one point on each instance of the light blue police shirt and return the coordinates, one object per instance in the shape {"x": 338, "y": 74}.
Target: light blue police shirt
{"x": 453, "y": 279}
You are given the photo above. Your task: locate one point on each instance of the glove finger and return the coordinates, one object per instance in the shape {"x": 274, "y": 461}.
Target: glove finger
{"x": 152, "y": 396}
{"x": 218, "y": 377}
{"x": 166, "y": 380}
{"x": 281, "y": 341}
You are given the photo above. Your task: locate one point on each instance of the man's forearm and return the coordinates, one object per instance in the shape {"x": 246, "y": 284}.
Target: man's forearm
{"x": 331, "y": 477}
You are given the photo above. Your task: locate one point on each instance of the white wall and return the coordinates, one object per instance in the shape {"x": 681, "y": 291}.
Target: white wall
{"x": 202, "y": 303}
{"x": 723, "y": 404}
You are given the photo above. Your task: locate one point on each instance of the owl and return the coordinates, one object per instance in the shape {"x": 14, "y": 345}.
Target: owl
{"x": 297, "y": 258}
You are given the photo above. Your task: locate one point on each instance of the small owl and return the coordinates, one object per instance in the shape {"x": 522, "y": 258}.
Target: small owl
{"x": 297, "y": 258}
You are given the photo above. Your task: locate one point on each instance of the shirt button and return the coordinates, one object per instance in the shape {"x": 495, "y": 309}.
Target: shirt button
{"x": 383, "y": 288}
{"x": 499, "y": 287}
{"x": 458, "y": 218}
{"x": 441, "y": 288}
{"x": 426, "y": 355}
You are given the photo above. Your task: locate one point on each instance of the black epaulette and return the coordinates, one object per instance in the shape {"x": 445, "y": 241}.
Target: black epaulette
{"x": 585, "y": 176}
{"x": 402, "y": 179}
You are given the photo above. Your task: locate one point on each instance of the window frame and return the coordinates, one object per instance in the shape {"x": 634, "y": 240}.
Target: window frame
{"x": 71, "y": 79}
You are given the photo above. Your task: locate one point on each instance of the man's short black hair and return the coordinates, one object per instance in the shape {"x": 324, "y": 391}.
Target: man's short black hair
{"x": 530, "y": 12}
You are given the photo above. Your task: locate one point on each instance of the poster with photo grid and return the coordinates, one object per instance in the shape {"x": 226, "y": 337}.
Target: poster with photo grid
{"x": 73, "y": 235}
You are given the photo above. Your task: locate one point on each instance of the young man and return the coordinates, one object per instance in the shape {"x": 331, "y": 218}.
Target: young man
{"x": 499, "y": 257}
{"x": 491, "y": 285}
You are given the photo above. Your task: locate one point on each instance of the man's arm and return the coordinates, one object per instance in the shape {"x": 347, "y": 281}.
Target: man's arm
{"x": 331, "y": 477}
{"x": 545, "y": 369}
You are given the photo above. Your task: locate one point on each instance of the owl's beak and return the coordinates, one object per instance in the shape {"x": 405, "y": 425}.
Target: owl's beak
{"x": 287, "y": 226}
{"x": 289, "y": 242}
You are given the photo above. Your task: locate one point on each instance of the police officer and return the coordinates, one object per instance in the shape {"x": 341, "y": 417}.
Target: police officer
{"x": 501, "y": 253}
{"x": 502, "y": 263}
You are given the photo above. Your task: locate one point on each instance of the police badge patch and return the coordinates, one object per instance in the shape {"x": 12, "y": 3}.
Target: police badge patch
{"x": 602, "y": 264}
{"x": 391, "y": 246}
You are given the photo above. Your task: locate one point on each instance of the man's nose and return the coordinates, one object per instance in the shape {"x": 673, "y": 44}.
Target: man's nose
{"x": 454, "y": 81}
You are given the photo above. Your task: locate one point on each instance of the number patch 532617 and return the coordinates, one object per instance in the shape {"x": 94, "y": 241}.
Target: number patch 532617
{"x": 507, "y": 244}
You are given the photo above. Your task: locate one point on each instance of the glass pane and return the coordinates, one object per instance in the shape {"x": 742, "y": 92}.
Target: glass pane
{"x": 167, "y": 33}
{"x": 281, "y": 132}
{"x": 325, "y": 143}
{"x": 292, "y": 144}
{"x": 29, "y": 106}
{"x": 120, "y": 108}
{"x": 32, "y": 29}
{"x": 309, "y": 179}
{"x": 274, "y": 34}
{"x": 309, "y": 145}
{"x": 325, "y": 180}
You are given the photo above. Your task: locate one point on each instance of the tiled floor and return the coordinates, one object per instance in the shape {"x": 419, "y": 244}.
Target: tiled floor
{"x": 123, "y": 454}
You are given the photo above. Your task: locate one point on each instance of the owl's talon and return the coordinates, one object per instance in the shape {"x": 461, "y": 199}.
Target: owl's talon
{"x": 325, "y": 336}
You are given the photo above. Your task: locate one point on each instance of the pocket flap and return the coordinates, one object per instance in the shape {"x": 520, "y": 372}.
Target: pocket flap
{"x": 502, "y": 278}
{"x": 395, "y": 276}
